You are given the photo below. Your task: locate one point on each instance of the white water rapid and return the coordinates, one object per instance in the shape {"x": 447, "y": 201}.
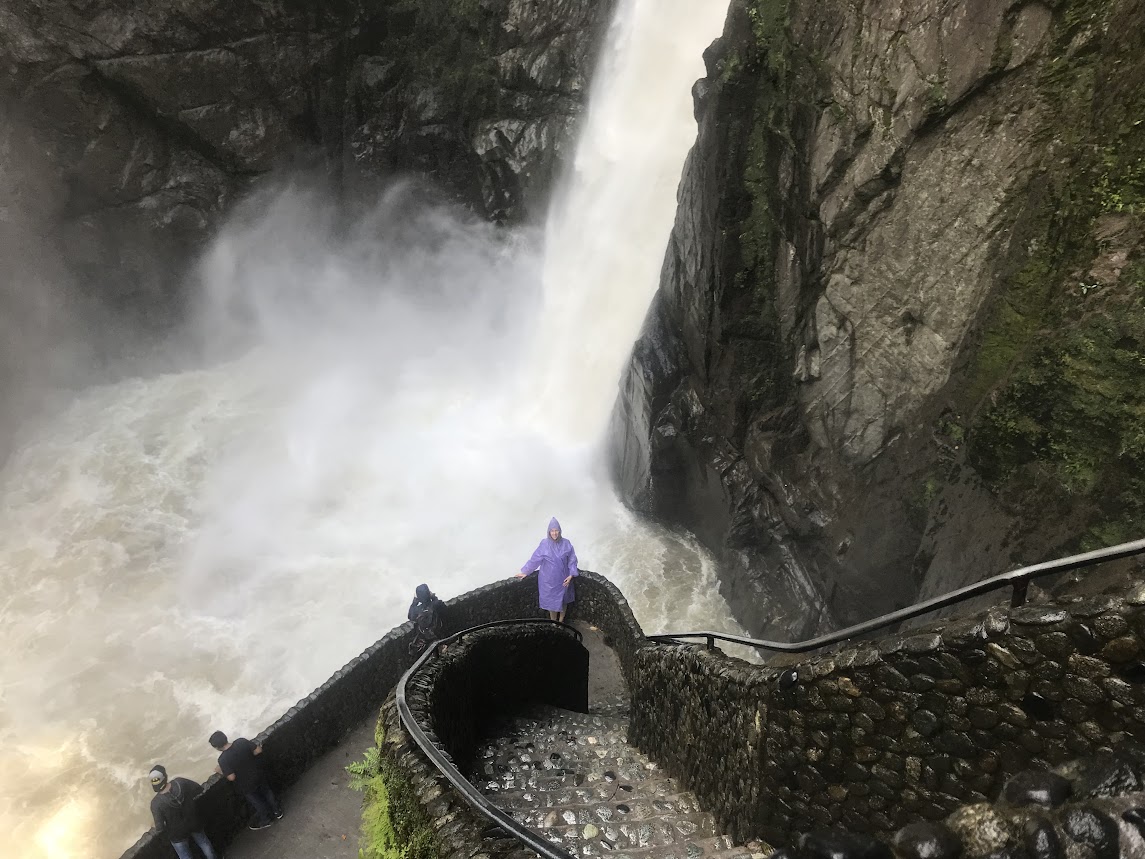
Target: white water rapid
{"x": 398, "y": 403}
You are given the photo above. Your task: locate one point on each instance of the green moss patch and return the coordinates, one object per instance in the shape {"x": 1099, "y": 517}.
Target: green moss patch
{"x": 394, "y": 823}
{"x": 1057, "y": 385}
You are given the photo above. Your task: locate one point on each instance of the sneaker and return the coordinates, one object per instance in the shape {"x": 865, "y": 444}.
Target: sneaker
{"x": 278, "y": 815}
{"x": 256, "y": 825}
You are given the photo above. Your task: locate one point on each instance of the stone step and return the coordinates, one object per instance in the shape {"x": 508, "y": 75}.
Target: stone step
{"x": 710, "y": 847}
{"x": 605, "y": 805}
{"x": 650, "y": 832}
{"x": 573, "y": 778}
{"x": 581, "y": 787}
{"x": 518, "y": 760}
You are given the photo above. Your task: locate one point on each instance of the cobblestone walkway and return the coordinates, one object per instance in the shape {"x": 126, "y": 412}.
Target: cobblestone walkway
{"x": 574, "y": 778}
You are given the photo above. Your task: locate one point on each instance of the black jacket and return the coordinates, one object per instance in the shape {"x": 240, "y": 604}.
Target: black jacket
{"x": 175, "y": 812}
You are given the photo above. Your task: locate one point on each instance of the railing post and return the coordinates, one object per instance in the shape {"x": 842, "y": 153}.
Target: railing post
{"x": 1018, "y": 597}
{"x": 711, "y": 642}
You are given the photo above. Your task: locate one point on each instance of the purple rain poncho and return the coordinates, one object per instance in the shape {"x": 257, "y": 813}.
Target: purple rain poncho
{"x": 556, "y": 560}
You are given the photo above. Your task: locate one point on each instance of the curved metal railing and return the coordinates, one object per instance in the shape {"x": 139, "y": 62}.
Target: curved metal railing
{"x": 445, "y": 765}
{"x": 1018, "y": 580}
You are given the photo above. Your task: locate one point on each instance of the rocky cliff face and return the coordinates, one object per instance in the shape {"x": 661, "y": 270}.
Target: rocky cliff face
{"x": 148, "y": 119}
{"x": 900, "y": 338}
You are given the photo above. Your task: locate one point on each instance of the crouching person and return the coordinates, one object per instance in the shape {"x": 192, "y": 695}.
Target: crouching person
{"x": 173, "y": 808}
{"x": 428, "y": 615}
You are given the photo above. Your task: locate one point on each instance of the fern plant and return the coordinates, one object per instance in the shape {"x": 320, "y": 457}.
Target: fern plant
{"x": 362, "y": 771}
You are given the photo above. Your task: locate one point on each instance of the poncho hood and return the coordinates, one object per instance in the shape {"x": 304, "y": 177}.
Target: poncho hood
{"x": 553, "y": 523}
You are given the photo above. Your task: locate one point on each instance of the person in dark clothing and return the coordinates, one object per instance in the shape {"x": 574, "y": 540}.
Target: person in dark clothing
{"x": 428, "y": 615}
{"x": 173, "y": 808}
{"x": 238, "y": 762}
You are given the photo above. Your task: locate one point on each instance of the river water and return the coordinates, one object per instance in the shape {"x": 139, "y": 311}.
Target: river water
{"x": 349, "y": 413}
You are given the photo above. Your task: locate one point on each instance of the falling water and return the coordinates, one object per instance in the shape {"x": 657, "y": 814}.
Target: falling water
{"x": 400, "y": 403}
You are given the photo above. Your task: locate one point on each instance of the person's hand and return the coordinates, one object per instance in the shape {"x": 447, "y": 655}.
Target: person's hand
{"x": 521, "y": 575}
{"x": 568, "y": 580}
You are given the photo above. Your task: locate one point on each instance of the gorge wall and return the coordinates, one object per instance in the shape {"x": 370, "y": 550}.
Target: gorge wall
{"x": 899, "y": 338}
{"x": 129, "y": 128}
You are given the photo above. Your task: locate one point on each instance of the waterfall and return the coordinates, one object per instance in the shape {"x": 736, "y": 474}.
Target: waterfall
{"x": 398, "y": 403}
{"x": 605, "y": 241}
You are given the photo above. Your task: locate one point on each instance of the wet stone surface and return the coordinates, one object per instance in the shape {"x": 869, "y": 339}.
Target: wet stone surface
{"x": 574, "y": 778}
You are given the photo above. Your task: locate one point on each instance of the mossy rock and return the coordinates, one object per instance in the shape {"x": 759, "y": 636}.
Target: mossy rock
{"x": 1057, "y": 385}
{"x": 394, "y": 823}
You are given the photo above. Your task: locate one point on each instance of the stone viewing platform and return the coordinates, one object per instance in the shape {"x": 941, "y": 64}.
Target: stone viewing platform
{"x": 1011, "y": 732}
{"x": 323, "y": 816}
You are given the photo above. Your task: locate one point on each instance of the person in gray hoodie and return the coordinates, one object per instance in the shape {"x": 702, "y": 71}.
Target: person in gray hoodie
{"x": 173, "y": 808}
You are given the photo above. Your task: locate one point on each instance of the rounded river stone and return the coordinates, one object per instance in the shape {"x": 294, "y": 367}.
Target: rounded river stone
{"x": 927, "y": 840}
{"x": 841, "y": 845}
{"x": 1037, "y": 707}
{"x": 1104, "y": 775}
{"x": 1093, "y": 829}
{"x": 1135, "y": 817}
{"x": 1032, "y": 787}
{"x": 1041, "y": 839}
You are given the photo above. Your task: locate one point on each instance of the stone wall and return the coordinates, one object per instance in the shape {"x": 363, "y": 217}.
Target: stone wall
{"x": 448, "y": 823}
{"x": 1092, "y": 807}
{"x": 495, "y": 672}
{"x": 320, "y": 720}
{"x": 881, "y": 734}
{"x": 917, "y": 730}
{"x": 492, "y": 672}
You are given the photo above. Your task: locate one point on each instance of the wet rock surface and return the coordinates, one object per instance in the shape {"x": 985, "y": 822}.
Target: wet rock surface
{"x": 574, "y": 778}
{"x": 837, "y": 309}
{"x": 927, "y": 841}
{"x": 1037, "y": 788}
{"x": 150, "y": 120}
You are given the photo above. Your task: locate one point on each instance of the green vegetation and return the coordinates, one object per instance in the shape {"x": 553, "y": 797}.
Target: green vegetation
{"x": 394, "y": 824}
{"x": 1056, "y": 385}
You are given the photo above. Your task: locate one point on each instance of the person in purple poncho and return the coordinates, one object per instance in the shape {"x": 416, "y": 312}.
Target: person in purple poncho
{"x": 556, "y": 560}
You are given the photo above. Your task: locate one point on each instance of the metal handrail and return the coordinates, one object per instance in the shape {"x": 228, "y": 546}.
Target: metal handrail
{"x": 1018, "y": 579}
{"x": 445, "y": 766}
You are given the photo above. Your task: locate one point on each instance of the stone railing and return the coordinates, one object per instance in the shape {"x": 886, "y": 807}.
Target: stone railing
{"x": 878, "y": 735}
{"x": 428, "y": 809}
{"x": 489, "y": 672}
{"x": 500, "y": 670}
{"x": 908, "y": 730}
{"x": 319, "y": 721}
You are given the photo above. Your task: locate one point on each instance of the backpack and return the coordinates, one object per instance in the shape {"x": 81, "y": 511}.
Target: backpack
{"x": 427, "y": 625}
{"x": 428, "y": 622}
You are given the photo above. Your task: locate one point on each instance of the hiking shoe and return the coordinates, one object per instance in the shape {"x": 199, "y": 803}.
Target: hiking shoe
{"x": 256, "y": 825}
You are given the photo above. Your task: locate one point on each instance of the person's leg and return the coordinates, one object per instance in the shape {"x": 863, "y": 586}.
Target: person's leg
{"x": 271, "y": 800}
{"x": 183, "y": 849}
{"x": 261, "y": 810}
{"x": 561, "y": 618}
{"x": 553, "y": 615}
{"x": 205, "y": 845}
